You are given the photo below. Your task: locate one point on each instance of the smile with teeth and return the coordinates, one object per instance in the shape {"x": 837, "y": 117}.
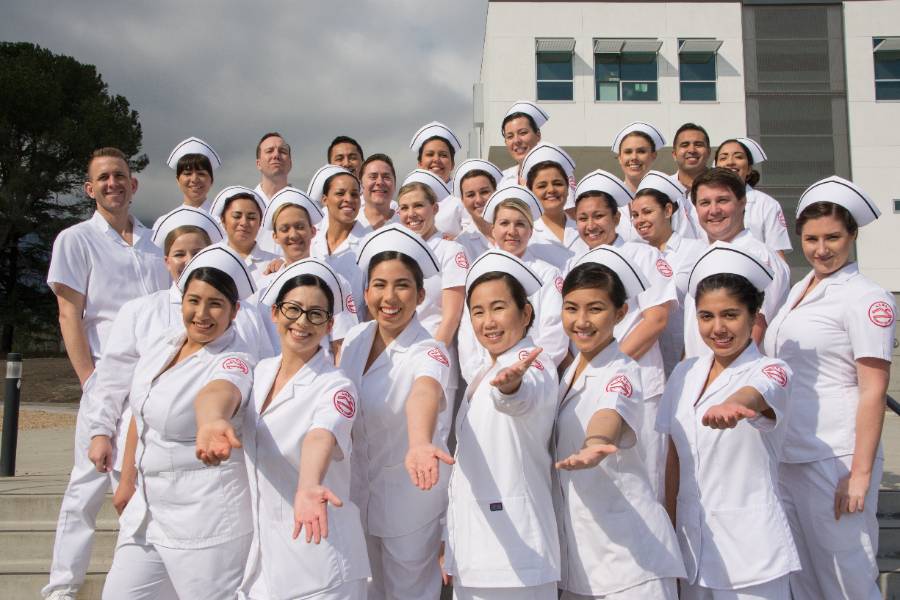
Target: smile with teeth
{"x": 493, "y": 335}
{"x": 390, "y": 310}
{"x": 299, "y": 335}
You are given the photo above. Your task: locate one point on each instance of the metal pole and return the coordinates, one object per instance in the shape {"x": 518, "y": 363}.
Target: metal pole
{"x": 11, "y": 414}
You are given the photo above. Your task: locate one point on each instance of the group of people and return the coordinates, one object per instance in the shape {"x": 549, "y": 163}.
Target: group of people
{"x": 513, "y": 382}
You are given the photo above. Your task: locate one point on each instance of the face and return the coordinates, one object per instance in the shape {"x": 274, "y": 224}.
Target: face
{"x": 110, "y": 183}
{"x": 346, "y": 155}
{"x": 511, "y": 230}
{"x": 498, "y": 323}
{"x": 182, "y": 251}
{"x": 274, "y": 157}
{"x": 392, "y": 297}
{"x": 299, "y": 336}
{"x": 520, "y": 138}
{"x": 733, "y": 157}
{"x": 826, "y": 244}
{"x": 691, "y": 151}
{"x": 241, "y": 220}
{"x": 293, "y": 232}
{"x": 206, "y": 312}
{"x": 436, "y": 158}
{"x": 651, "y": 221}
{"x": 476, "y": 191}
{"x": 588, "y": 318}
{"x": 342, "y": 199}
{"x": 725, "y": 324}
{"x": 417, "y": 213}
{"x": 194, "y": 185}
{"x": 378, "y": 183}
{"x": 635, "y": 156}
{"x": 552, "y": 189}
{"x": 595, "y": 221}
{"x": 720, "y": 212}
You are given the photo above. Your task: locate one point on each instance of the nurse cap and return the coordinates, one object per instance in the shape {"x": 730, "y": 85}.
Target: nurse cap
{"x": 293, "y": 196}
{"x": 722, "y": 257}
{"x": 307, "y": 266}
{"x": 503, "y": 262}
{"x": 548, "y": 152}
{"x": 529, "y": 108}
{"x": 662, "y": 183}
{"x": 603, "y": 181}
{"x": 218, "y": 205}
{"x": 398, "y": 238}
{"x": 844, "y": 193}
{"x": 756, "y": 151}
{"x": 512, "y": 192}
{"x": 633, "y": 280}
{"x": 226, "y": 260}
{"x": 434, "y": 129}
{"x": 186, "y": 215}
{"x": 193, "y": 145}
{"x": 475, "y": 164}
{"x": 640, "y": 127}
{"x": 440, "y": 188}
{"x": 316, "y": 188}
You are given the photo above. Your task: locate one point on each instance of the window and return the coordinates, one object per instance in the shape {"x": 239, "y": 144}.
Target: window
{"x": 554, "y": 69}
{"x": 625, "y": 70}
{"x": 697, "y": 69}
{"x": 887, "y": 68}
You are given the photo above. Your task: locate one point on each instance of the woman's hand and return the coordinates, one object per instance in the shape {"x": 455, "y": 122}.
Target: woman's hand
{"x": 422, "y": 464}
{"x": 850, "y": 495}
{"x": 215, "y": 440}
{"x": 124, "y": 492}
{"x": 311, "y": 511}
{"x": 100, "y": 453}
{"x": 509, "y": 379}
{"x": 726, "y": 415}
{"x": 587, "y": 458}
{"x": 447, "y": 579}
{"x": 273, "y": 266}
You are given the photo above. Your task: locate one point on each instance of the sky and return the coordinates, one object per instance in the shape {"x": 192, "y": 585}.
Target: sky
{"x": 229, "y": 71}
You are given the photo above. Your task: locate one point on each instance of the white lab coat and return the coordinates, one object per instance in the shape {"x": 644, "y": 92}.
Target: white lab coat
{"x": 473, "y": 242}
{"x": 343, "y": 259}
{"x": 679, "y": 251}
{"x": 546, "y": 246}
{"x": 318, "y": 396}
{"x": 764, "y": 217}
{"x": 450, "y": 216}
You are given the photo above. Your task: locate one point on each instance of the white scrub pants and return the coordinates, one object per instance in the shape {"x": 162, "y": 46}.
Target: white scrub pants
{"x": 152, "y": 572}
{"x": 657, "y": 589}
{"x": 406, "y": 567}
{"x": 349, "y": 590}
{"x": 546, "y": 591}
{"x": 652, "y": 447}
{"x": 837, "y": 557}
{"x": 777, "y": 589}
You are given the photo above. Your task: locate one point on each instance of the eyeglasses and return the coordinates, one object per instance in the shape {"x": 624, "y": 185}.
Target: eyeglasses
{"x": 315, "y": 316}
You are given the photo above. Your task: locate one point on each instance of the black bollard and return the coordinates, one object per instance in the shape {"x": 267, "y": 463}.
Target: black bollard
{"x": 11, "y": 414}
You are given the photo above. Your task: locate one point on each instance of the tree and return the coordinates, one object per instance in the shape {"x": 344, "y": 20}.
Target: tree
{"x": 54, "y": 111}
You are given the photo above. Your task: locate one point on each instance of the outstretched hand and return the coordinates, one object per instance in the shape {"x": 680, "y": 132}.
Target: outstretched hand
{"x": 311, "y": 511}
{"x": 509, "y": 379}
{"x": 215, "y": 441}
{"x": 587, "y": 458}
{"x": 421, "y": 463}
{"x": 727, "y": 415}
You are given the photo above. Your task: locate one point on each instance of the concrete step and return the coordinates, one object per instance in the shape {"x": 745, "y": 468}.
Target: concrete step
{"x": 889, "y": 503}
{"x": 28, "y": 586}
{"x": 32, "y": 551}
{"x": 42, "y": 508}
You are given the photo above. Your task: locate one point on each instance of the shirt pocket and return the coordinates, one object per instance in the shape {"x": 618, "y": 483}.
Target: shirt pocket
{"x": 733, "y": 533}
{"x": 497, "y": 534}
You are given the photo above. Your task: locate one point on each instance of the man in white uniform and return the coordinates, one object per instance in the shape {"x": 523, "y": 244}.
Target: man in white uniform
{"x": 344, "y": 151}
{"x": 273, "y": 161}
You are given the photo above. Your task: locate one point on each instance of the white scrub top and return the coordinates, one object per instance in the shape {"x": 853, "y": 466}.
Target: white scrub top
{"x": 180, "y": 502}
{"x": 454, "y": 267}
{"x": 343, "y": 258}
{"x": 679, "y": 251}
{"x": 473, "y": 242}
{"x": 846, "y": 317}
{"x": 256, "y": 261}
{"x": 685, "y": 220}
{"x": 93, "y": 259}
{"x": 546, "y": 246}
{"x": 390, "y": 504}
{"x": 318, "y": 396}
{"x": 764, "y": 218}
{"x": 613, "y": 532}
{"x": 207, "y": 204}
{"x": 363, "y": 221}
{"x": 450, "y": 215}
{"x": 501, "y": 529}
{"x": 264, "y": 239}
{"x": 511, "y": 176}
{"x": 728, "y": 492}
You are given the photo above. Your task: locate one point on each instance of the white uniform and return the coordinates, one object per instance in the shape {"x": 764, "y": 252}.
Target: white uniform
{"x": 450, "y": 215}
{"x": 679, "y": 251}
{"x": 402, "y": 522}
{"x": 364, "y": 221}
{"x": 546, "y": 246}
{"x": 93, "y": 259}
{"x": 318, "y": 396}
{"x": 501, "y": 529}
{"x": 264, "y": 239}
{"x": 343, "y": 258}
{"x": 473, "y": 242}
{"x": 186, "y": 531}
{"x": 764, "y": 218}
{"x": 615, "y": 536}
{"x": 685, "y": 220}
{"x": 728, "y": 498}
{"x": 511, "y": 176}
{"x": 256, "y": 261}
{"x": 846, "y": 317}
{"x": 207, "y": 204}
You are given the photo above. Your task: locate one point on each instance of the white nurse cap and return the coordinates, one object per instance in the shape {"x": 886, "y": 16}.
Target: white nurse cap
{"x": 548, "y": 152}
{"x": 722, "y": 257}
{"x": 293, "y": 196}
{"x": 398, "y": 238}
{"x": 844, "y": 193}
{"x": 226, "y": 260}
{"x": 218, "y": 205}
{"x": 193, "y": 145}
{"x": 476, "y": 164}
{"x": 639, "y": 127}
{"x": 307, "y": 266}
{"x": 603, "y": 181}
{"x": 186, "y": 215}
{"x": 434, "y": 129}
{"x": 633, "y": 280}
{"x": 662, "y": 183}
{"x": 495, "y": 260}
{"x": 512, "y": 192}
{"x": 440, "y": 187}
{"x": 756, "y": 151}
{"x": 316, "y": 188}
{"x": 529, "y": 108}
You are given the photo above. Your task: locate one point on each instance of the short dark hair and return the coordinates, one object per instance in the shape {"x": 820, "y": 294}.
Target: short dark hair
{"x": 326, "y": 187}
{"x": 267, "y": 136}
{"x": 754, "y": 176}
{"x": 690, "y": 127}
{"x": 477, "y": 173}
{"x": 592, "y": 275}
{"x": 817, "y": 210}
{"x": 241, "y": 196}
{"x": 661, "y": 199}
{"x": 610, "y": 201}
{"x": 307, "y": 279}
{"x": 640, "y": 134}
{"x": 344, "y": 139}
{"x": 719, "y": 177}
{"x": 216, "y": 278}
{"x": 407, "y": 261}
{"x": 518, "y": 115}
{"x": 516, "y": 290}
{"x": 735, "y": 285}
{"x": 547, "y": 164}
{"x": 450, "y": 147}
{"x": 377, "y": 157}
{"x": 194, "y": 162}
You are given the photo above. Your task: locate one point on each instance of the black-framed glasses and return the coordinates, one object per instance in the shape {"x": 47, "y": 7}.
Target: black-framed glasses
{"x": 316, "y": 316}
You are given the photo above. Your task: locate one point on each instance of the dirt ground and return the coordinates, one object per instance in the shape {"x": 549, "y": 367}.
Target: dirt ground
{"x": 45, "y": 381}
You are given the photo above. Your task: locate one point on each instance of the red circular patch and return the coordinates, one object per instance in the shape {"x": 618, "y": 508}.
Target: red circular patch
{"x": 235, "y": 364}
{"x": 664, "y": 268}
{"x": 439, "y": 356}
{"x": 559, "y": 283}
{"x": 620, "y": 385}
{"x": 344, "y": 403}
{"x": 776, "y": 374}
{"x": 782, "y": 220}
{"x": 523, "y": 354}
{"x": 881, "y": 314}
{"x": 351, "y": 304}
{"x": 461, "y": 260}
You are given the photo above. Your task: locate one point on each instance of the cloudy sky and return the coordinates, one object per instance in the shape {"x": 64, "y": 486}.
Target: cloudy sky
{"x": 228, "y": 71}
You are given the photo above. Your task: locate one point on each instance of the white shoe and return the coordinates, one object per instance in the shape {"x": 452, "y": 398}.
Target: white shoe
{"x": 61, "y": 595}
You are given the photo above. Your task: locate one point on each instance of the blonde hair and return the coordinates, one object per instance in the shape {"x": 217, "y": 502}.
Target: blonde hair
{"x": 281, "y": 208}
{"x": 180, "y": 231}
{"x": 517, "y": 205}
{"x": 418, "y": 186}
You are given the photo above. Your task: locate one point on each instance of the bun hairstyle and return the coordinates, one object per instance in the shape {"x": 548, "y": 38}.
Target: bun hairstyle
{"x": 306, "y": 280}
{"x": 754, "y": 176}
{"x": 223, "y": 283}
{"x": 736, "y": 286}
{"x": 541, "y": 166}
{"x": 180, "y": 231}
{"x": 516, "y": 290}
{"x": 591, "y": 275}
{"x": 818, "y": 210}
{"x": 408, "y": 262}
